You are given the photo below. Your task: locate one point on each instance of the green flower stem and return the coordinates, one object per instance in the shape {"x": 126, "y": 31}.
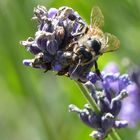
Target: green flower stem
{"x": 116, "y": 134}
{"x": 113, "y": 135}
{"x": 110, "y": 138}
{"x": 88, "y": 97}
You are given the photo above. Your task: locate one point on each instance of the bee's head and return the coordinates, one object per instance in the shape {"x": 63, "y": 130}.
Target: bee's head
{"x": 94, "y": 44}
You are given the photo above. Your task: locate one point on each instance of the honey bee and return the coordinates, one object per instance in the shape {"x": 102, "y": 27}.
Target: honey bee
{"x": 93, "y": 42}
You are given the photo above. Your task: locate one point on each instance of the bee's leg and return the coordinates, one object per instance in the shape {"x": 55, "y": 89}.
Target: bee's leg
{"x": 80, "y": 33}
{"x": 82, "y": 28}
{"x": 72, "y": 46}
{"x": 98, "y": 71}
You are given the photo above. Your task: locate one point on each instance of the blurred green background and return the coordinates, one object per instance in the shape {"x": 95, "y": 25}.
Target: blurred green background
{"x": 33, "y": 104}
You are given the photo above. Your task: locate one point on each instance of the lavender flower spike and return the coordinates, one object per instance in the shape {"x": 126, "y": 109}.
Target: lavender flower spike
{"x": 28, "y": 62}
{"x": 58, "y": 29}
{"x": 108, "y": 95}
{"x": 130, "y": 105}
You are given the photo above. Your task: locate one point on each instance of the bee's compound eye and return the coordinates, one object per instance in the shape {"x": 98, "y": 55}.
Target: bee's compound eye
{"x": 72, "y": 17}
{"x": 96, "y": 45}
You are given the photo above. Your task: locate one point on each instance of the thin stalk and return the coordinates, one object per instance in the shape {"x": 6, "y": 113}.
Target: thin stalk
{"x": 113, "y": 135}
{"x": 110, "y": 137}
{"x": 116, "y": 134}
{"x": 88, "y": 97}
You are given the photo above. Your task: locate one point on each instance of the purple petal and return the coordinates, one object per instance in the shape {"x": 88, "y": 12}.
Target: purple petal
{"x": 111, "y": 68}
{"x": 120, "y": 124}
{"x": 41, "y": 42}
{"x": 52, "y": 46}
{"x": 93, "y": 120}
{"x": 107, "y": 121}
{"x": 57, "y": 67}
{"x": 46, "y": 27}
{"x": 47, "y": 57}
{"x": 28, "y": 62}
{"x": 124, "y": 81}
{"x": 75, "y": 26}
{"x": 52, "y": 12}
{"x": 92, "y": 77}
{"x": 130, "y": 110}
{"x": 34, "y": 50}
{"x": 110, "y": 83}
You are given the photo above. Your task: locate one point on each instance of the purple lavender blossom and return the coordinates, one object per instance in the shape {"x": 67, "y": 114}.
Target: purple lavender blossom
{"x": 52, "y": 46}
{"x": 52, "y": 12}
{"x": 130, "y": 110}
{"x": 131, "y": 104}
{"x": 27, "y": 62}
{"x": 56, "y": 30}
{"x": 92, "y": 77}
{"x": 111, "y": 67}
{"x": 57, "y": 67}
{"x": 108, "y": 95}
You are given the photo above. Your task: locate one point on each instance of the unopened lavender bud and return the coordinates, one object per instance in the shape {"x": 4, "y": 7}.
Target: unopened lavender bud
{"x": 28, "y": 42}
{"x": 85, "y": 118}
{"x": 52, "y": 46}
{"x": 89, "y": 86}
{"x": 120, "y": 124}
{"x": 84, "y": 115}
{"x": 52, "y": 12}
{"x": 47, "y": 57}
{"x": 91, "y": 90}
{"x": 92, "y": 77}
{"x": 98, "y": 85}
{"x": 41, "y": 40}
{"x": 57, "y": 67}
{"x": 123, "y": 94}
{"x": 74, "y": 108}
{"x": 34, "y": 50}
{"x": 99, "y": 135}
{"x": 94, "y": 120}
{"x": 42, "y": 37}
{"x": 116, "y": 104}
{"x": 28, "y": 62}
{"x": 40, "y": 13}
{"x": 75, "y": 26}
{"x": 104, "y": 104}
{"x": 115, "y": 107}
{"x": 124, "y": 80}
{"x": 107, "y": 122}
{"x": 45, "y": 27}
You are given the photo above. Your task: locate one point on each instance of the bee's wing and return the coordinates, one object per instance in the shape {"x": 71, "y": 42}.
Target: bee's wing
{"x": 112, "y": 43}
{"x": 97, "y": 18}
